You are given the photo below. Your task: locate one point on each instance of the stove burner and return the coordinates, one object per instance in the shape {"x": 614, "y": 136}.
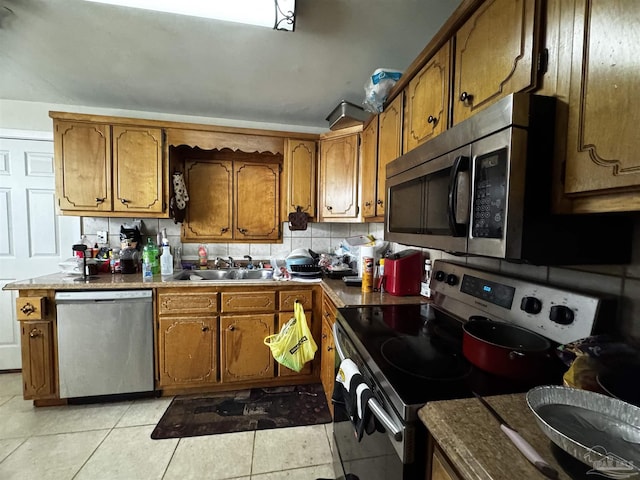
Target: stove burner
{"x": 421, "y": 357}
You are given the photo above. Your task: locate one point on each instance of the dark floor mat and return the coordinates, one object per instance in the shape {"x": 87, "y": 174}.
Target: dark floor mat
{"x": 239, "y": 411}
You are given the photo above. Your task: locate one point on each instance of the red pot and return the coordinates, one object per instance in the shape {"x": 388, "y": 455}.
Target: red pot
{"x": 504, "y": 349}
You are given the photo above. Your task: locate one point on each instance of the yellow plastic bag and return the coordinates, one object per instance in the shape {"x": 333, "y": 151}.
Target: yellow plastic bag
{"x": 293, "y": 346}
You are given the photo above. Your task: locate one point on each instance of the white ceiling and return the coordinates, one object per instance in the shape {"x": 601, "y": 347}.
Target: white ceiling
{"x": 80, "y": 53}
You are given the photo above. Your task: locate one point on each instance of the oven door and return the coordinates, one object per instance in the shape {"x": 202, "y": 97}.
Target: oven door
{"x": 428, "y": 205}
{"x": 386, "y": 454}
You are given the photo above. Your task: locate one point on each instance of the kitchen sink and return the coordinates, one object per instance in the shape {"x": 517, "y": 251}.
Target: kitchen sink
{"x": 225, "y": 274}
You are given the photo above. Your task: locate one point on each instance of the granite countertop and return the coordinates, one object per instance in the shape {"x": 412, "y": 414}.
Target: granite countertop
{"x": 341, "y": 294}
{"x": 469, "y": 435}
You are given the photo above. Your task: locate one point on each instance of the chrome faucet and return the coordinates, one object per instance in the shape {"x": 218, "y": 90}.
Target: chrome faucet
{"x": 231, "y": 263}
{"x": 250, "y": 264}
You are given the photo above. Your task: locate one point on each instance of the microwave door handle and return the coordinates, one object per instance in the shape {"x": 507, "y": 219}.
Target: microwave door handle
{"x": 458, "y": 179}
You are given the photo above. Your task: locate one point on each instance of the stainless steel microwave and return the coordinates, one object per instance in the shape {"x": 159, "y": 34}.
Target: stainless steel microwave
{"x": 483, "y": 187}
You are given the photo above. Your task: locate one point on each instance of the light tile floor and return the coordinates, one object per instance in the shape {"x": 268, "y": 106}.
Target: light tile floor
{"x": 112, "y": 441}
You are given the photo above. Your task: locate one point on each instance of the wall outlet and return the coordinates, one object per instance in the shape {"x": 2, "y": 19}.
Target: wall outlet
{"x": 103, "y": 236}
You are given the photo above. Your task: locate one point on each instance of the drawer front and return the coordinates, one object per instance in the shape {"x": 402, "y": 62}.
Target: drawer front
{"x": 248, "y": 302}
{"x": 186, "y": 302}
{"x": 287, "y": 298}
{"x": 30, "y": 308}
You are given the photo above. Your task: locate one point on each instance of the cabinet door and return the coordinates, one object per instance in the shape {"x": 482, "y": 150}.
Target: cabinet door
{"x": 604, "y": 105}
{"x": 389, "y": 147}
{"x": 496, "y": 54}
{"x": 339, "y": 177}
{"x": 300, "y": 176}
{"x": 247, "y": 301}
{"x": 327, "y": 359}
{"x": 257, "y": 201}
{"x": 37, "y": 359}
{"x": 244, "y": 356}
{"x": 440, "y": 467}
{"x": 287, "y": 299}
{"x": 283, "y": 318}
{"x": 187, "y": 351}
{"x": 427, "y": 102}
{"x": 369, "y": 168}
{"x": 139, "y": 173}
{"x": 83, "y": 166}
{"x": 210, "y": 187}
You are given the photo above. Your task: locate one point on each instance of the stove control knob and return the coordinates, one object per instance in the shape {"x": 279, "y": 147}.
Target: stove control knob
{"x": 531, "y": 305}
{"x": 561, "y": 314}
{"x": 440, "y": 275}
{"x": 452, "y": 279}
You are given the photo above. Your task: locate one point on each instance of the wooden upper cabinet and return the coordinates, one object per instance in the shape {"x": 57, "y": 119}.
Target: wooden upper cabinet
{"x": 299, "y": 177}
{"x": 389, "y": 147}
{"x": 339, "y": 177}
{"x": 256, "y": 201}
{"x": 496, "y": 53}
{"x": 83, "y": 166}
{"x": 210, "y": 187}
{"x": 138, "y": 167}
{"x": 604, "y": 107}
{"x": 369, "y": 167}
{"x": 427, "y": 102}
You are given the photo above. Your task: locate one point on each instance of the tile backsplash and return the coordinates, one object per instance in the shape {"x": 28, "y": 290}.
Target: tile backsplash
{"x": 620, "y": 281}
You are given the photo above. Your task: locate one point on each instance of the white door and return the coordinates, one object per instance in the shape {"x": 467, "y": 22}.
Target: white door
{"x": 33, "y": 239}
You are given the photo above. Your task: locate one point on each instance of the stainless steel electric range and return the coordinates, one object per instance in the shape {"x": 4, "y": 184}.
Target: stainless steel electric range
{"x": 412, "y": 354}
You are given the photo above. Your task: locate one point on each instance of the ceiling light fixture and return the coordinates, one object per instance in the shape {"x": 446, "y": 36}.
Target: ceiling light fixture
{"x": 251, "y": 12}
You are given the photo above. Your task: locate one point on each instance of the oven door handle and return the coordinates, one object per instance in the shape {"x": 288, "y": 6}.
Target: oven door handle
{"x": 373, "y": 404}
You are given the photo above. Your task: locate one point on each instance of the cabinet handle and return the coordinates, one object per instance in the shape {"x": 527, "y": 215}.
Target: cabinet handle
{"x": 205, "y": 329}
{"x": 27, "y": 309}
{"x": 324, "y": 336}
{"x": 232, "y": 328}
{"x": 224, "y": 229}
{"x": 329, "y": 208}
{"x": 329, "y": 348}
{"x": 432, "y": 119}
{"x": 35, "y": 333}
{"x": 466, "y": 97}
{"x": 367, "y": 204}
{"x": 379, "y": 202}
{"x": 242, "y": 230}
{"x": 125, "y": 201}
{"x": 100, "y": 200}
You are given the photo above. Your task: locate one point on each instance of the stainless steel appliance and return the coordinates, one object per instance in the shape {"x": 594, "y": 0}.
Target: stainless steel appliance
{"x": 412, "y": 354}
{"x": 483, "y": 187}
{"x": 105, "y": 342}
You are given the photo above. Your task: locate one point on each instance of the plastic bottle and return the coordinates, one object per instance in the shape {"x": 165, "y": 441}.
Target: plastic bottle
{"x": 425, "y": 291}
{"x": 203, "y": 255}
{"x": 166, "y": 261}
{"x": 177, "y": 258}
{"x": 150, "y": 256}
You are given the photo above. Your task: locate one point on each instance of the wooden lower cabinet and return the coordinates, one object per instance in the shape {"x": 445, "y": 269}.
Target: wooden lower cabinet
{"x": 243, "y": 354}
{"x": 187, "y": 351}
{"x": 439, "y": 467}
{"x": 37, "y": 342}
{"x": 327, "y": 348}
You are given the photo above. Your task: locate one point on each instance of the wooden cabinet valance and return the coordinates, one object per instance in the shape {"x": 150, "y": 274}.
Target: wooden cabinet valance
{"x": 208, "y": 140}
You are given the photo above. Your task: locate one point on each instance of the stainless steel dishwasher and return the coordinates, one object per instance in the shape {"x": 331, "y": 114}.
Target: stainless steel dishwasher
{"x": 105, "y": 342}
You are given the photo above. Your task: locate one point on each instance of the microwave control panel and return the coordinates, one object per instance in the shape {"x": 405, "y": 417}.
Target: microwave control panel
{"x": 490, "y": 195}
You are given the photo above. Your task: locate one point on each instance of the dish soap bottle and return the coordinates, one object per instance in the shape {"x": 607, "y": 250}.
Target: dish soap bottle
{"x": 150, "y": 256}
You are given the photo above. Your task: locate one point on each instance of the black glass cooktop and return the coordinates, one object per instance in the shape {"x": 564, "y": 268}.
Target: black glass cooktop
{"x": 415, "y": 353}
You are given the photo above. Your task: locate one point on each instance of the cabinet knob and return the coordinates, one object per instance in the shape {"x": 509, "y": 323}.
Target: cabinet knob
{"x": 432, "y": 119}
{"x": 367, "y": 204}
{"x": 379, "y": 202}
{"x": 224, "y": 229}
{"x": 329, "y": 208}
{"x": 27, "y": 309}
{"x": 242, "y": 230}
{"x": 35, "y": 333}
{"x": 324, "y": 336}
{"x": 232, "y": 328}
{"x": 205, "y": 329}
{"x": 100, "y": 200}
{"x": 125, "y": 201}
{"x": 329, "y": 348}
{"x": 466, "y": 97}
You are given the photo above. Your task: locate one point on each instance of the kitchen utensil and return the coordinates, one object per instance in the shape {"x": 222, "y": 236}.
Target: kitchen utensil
{"x": 504, "y": 349}
{"x": 521, "y": 444}
{"x": 598, "y": 430}
{"x": 301, "y": 262}
{"x": 621, "y": 383}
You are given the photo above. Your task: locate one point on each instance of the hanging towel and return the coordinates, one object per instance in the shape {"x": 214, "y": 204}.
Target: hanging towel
{"x": 178, "y": 203}
{"x": 351, "y": 390}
